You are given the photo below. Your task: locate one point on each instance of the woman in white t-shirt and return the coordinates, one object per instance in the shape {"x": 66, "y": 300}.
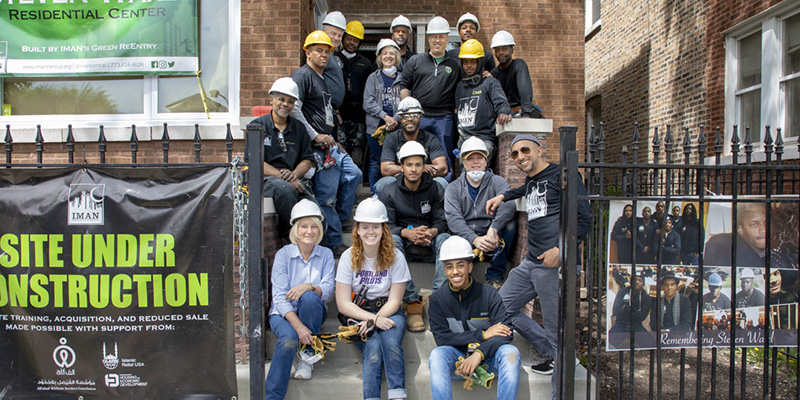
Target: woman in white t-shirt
{"x": 374, "y": 263}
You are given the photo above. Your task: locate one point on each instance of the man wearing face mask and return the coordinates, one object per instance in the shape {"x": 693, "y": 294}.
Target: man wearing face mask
{"x": 480, "y": 100}
{"x": 465, "y": 210}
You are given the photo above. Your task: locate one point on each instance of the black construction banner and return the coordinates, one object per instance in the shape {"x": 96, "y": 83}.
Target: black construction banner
{"x": 116, "y": 283}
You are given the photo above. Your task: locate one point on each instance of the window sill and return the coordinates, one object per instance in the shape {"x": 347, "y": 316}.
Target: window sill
{"x": 592, "y": 30}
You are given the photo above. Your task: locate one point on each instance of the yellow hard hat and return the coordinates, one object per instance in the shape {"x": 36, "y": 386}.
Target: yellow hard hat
{"x": 471, "y": 49}
{"x": 355, "y": 29}
{"x": 318, "y": 37}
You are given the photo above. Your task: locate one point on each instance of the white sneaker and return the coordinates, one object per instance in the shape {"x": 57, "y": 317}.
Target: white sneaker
{"x": 303, "y": 370}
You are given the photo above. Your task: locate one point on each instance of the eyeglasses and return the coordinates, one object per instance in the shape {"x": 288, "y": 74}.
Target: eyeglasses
{"x": 410, "y": 116}
{"x": 282, "y": 99}
{"x": 524, "y": 150}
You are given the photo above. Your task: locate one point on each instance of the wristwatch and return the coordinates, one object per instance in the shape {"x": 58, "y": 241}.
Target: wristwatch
{"x": 313, "y": 287}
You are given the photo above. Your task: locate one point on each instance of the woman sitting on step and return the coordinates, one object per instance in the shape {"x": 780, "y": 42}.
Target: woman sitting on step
{"x": 302, "y": 282}
{"x": 377, "y": 272}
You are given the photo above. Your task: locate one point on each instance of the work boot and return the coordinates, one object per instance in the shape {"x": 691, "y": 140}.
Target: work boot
{"x": 414, "y": 317}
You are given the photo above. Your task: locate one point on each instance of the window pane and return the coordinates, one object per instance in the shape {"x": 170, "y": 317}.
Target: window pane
{"x": 792, "y": 90}
{"x": 791, "y": 58}
{"x": 595, "y": 11}
{"x": 750, "y": 115}
{"x": 750, "y": 61}
{"x": 32, "y": 96}
{"x": 182, "y": 94}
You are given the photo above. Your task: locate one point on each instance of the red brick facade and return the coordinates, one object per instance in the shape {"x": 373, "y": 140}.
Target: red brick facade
{"x": 662, "y": 62}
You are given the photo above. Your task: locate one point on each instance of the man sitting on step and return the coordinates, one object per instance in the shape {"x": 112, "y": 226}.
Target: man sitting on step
{"x": 465, "y": 210}
{"x": 469, "y": 322}
{"x": 414, "y": 205}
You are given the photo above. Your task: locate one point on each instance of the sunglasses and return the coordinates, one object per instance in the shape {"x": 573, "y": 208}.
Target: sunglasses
{"x": 524, "y": 150}
{"x": 282, "y": 142}
{"x": 409, "y": 116}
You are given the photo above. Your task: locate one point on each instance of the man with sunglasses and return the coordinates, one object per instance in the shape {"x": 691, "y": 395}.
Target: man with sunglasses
{"x": 409, "y": 113}
{"x": 337, "y": 177}
{"x": 465, "y": 210}
{"x": 287, "y": 152}
{"x": 538, "y": 274}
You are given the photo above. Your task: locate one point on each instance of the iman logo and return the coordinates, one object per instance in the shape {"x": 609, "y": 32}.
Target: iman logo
{"x": 110, "y": 361}
{"x": 448, "y": 69}
{"x": 86, "y": 204}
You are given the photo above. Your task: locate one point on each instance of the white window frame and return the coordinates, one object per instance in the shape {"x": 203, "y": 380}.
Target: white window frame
{"x": 773, "y": 109}
{"x": 593, "y": 20}
{"x": 149, "y": 123}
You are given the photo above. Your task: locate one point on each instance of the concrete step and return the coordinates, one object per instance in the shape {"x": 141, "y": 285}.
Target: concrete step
{"x": 339, "y": 374}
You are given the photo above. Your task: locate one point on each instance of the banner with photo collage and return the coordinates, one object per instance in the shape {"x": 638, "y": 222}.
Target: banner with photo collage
{"x": 673, "y": 233}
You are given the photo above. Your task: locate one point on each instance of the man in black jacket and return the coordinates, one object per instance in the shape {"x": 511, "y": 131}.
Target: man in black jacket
{"x": 355, "y": 69}
{"x": 676, "y": 309}
{"x": 538, "y": 275}
{"x": 415, "y": 209}
{"x": 622, "y": 235}
{"x": 468, "y": 320}
{"x": 287, "y": 153}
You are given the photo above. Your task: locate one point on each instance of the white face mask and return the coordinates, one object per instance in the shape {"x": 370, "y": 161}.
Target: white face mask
{"x": 390, "y": 71}
{"x": 476, "y": 176}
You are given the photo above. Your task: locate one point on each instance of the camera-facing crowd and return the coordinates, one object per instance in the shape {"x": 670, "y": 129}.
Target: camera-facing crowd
{"x": 412, "y": 111}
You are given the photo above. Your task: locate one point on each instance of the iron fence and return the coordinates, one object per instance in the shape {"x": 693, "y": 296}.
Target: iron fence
{"x": 679, "y": 174}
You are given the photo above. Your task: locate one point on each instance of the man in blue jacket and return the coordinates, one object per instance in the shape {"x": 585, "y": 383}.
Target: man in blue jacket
{"x": 468, "y": 320}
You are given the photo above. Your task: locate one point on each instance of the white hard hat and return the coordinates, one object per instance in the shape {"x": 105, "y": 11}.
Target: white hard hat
{"x": 305, "y": 208}
{"x": 285, "y": 86}
{"x": 385, "y": 43}
{"x": 409, "y": 105}
{"x": 469, "y": 17}
{"x": 400, "y": 21}
{"x": 472, "y": 145}
{"x": 411, "y": 148}
{"x": 746, "y": 273}
{"x": 335, "y": 19}
{"x": 455, "y": 248}
{"x": 502, "y": 38}
{"x": 371, "y": 210}
{"x": 438, "y": 25}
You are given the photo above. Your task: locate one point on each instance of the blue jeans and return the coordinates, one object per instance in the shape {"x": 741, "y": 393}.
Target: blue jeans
{"x": 386, "y": 180}
{"x": 311, "y": 311}
{"x": 442, "y": 128}
{"x": 384, "y": 349}
{"x": 412, "y": 294}
{"x": 497, "y": 266}
{"x": 335, "y": 189}
{"x": 505, "y": 364}
{"x": 374, "y": 171}
{"x": 524, "y": 283}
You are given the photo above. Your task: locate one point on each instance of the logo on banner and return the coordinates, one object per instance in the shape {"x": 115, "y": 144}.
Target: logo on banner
{"x": 110, "y": 361}
{"x": 162, "y": 64}
{"x": 64, "y": 357}
{"x": 112, "y": 380}
{"x": 86, "y": 204}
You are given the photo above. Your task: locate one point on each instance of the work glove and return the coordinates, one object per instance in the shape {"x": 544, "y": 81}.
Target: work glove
{"x": 480, "y": 377}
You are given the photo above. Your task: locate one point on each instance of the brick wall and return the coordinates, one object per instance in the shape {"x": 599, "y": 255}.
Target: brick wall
{"x": 661, "y": 62}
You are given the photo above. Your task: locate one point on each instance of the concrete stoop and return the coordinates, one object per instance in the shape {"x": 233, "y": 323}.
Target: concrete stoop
{"x": 338, "y": 376}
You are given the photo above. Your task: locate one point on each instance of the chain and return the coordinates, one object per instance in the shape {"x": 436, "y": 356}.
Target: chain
{"x": 240, "y": 233}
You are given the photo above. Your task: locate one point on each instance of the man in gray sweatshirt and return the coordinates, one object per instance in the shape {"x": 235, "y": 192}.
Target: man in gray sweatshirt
{"x": 465, "y": 210}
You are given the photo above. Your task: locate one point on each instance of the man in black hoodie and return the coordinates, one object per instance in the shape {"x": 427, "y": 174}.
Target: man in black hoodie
{"x": 538, "y": 275}
{"x": 415, "y": 209}
{"x": 468, "y": 320}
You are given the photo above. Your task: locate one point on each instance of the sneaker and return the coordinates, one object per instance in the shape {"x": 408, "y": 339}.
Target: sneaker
{"x": 337, "y": 252}
{"x": 303, "y": 371}
{"x": 545, "y": 368}
{"x": 495, "y": 284}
